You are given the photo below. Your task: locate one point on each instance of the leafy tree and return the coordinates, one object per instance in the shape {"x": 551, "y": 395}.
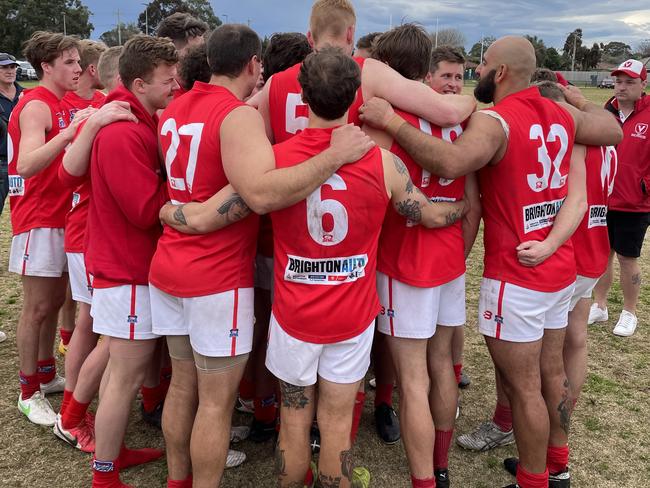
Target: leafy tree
{"x": 157, "y": 10}
{"x": 644, "y": 48}
{"x": 449, "y": 37}
{"x": 23, "y": 17}
{"x": 127, "y": 31}
{"x": 540, "y": 49}
{"x": 592, "y": 57}
{"x": 475, "y": 51}
{"x": 553, "y": 60}
{"x": 573, "y": 42}
{"x": 616, "y": 51}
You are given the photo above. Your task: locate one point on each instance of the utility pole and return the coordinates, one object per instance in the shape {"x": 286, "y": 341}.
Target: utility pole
{"x": 249, "y": 22}
{"x": 119, "y": 29}
{"x": 480, "y": 60}
{"x": 226, "y": 16}
{"x": 436, "y": 32}
{"x": 146, "y": 18}
{"x": 65, "y": 31}
{"x": 573, "y": 61}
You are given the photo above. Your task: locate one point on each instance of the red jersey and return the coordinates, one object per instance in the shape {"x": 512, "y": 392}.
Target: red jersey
{"x": 39, "y": 201}
{"x": 196, "y": 265}
{"x": 633, "y": 159}
{"x": 325, "y": 247}
{"x": 126, "y": 195}
{"x": 76, "y": 219}
{"x": 409, "y": 252}
{"x": 590, "y": 240}
{"x": 522, "y": 194}
{"x": 289, "y": 114}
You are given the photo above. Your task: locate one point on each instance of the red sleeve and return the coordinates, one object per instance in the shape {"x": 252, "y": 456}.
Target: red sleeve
{"x": 70, "y": 181}
{"x": 126, "y": 167}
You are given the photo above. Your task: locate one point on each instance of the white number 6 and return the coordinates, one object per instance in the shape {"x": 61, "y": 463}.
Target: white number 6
{"x": 317, "y": 208}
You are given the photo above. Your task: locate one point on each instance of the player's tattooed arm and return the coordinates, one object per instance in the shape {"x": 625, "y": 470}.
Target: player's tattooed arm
{"x": 409, "y": 201}
{"x": 293, "y": 396}
{"x": 221, "y": 210}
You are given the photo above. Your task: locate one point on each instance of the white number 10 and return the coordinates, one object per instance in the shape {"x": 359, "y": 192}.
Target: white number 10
{"x": 194, "y": 131}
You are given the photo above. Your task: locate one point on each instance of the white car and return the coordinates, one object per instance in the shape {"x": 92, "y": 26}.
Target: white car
{"x": 26, "y": 71}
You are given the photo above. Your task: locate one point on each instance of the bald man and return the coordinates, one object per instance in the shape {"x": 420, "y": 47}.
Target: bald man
{"x": 522, "y": 148}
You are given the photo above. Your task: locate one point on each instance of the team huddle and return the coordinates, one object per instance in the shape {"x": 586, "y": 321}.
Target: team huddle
{"x": 252, "y": 228}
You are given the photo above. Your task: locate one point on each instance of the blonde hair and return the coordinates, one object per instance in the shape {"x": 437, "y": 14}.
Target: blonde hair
{"x": 108, "y": 65}
{"x": 90, "y": 52}
{"x": 331, "y": 17}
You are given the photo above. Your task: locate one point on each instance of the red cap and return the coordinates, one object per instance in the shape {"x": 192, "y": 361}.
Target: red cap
{"x": 632, "y": 68}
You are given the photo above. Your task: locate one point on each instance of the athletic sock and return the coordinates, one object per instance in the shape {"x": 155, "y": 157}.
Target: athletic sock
{"x": 107, "y": 475}
{"x": 186, "y": 483}
{"x": 265, "y": 409}
{"x": 67, "y": 396}
{"x": 503, "y": 417}
{"x": 74, "y": 413}
{"x": 441, "y": 448}
{"x": 66, "y": 335}
{"x": 152, "y": 397}
{"x": 356, "y": 415}
{"x": 531, "y": 480}
{"x": 28, "y": 385}
{"x": 557, "y": 458}
{"x": 423, "y": 483}
{"x": 46, "y": 370}
{"x": 458, "y": 370}
{"x": 133, "y": 457}
{"x": 246, "y": 389}
{"x": 384, "y": 394}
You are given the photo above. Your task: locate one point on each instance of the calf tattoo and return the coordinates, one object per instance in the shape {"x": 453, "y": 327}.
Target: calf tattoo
{"x": 347, "y": 464}
{"x": 234, "y": 208}
{"x": 325, "y": 481}
{"x": 564, "y": 409}
{"x": 293, "y": 396}
{"x": 280, "y": 464}
{"x": 636, "y": 279}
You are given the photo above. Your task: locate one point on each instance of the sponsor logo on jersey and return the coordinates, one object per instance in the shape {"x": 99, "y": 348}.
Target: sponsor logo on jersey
{"x": 540, "y": 215}
{"x": 16, "y": 186}
{"x": 640, "y": 130}
{"x": 75, "y": 199}
{"x": 597, "y": 216}
{"x": 329, "y": 271}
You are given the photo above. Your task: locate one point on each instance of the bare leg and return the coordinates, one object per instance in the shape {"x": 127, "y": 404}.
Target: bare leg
{"x": 410, "y": 357}
{"x": 81, "y": 345}
{"x": 601, "y": 290}
{"x": 178, "y": 418}
{"x": 91, "y": 372}
{"x": 68, "y": 312}
{"x": 382, "y": 360}
{"x": 457, "y": 345}
{"x": 292, "y": 454}
{"x": 630, "y": 282}
{"x": 443, "y": 396}
{"x": 555, "y": 386}
{"x": 519, "y": 368}
{"x": 265, "y": 382}
{"x": 335, "y": 404}
{"x": 211, "y": 432}
{"x": 47, "y": 336}
{"x": 575, "y": 348}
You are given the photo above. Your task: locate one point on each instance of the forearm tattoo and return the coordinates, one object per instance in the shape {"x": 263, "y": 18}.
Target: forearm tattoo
{"x": 564, "y": 408}
{"x": 453, "y": 216}
{"x": 325, "y": 481}
{"x": 347, "y": 464}
{"x": 402, "y": 170}
{"x": 234, "y": 208}
{"x": 179, "y": 216}
{"x": 293, "y": 396}
{"x": 410, "y": 209}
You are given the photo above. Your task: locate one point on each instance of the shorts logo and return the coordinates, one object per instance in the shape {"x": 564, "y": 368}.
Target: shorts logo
{"x": 390, "y": 312}
{"x": 103, "y": 466}
{"x": 26, "y": 257}
{"x": 234, "y": 333}
{"x": 640, "y": 130}
{"x": 498, "y": 319}
{"x": 487, "y": 315}
{"x": 132, "y": 319}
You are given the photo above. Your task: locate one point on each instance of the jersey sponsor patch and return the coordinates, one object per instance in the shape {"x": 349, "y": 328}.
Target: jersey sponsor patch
{"x": 16, "y": 186}
{"x": 597, "y": 216}
{"x": 540, "y": 215}
{"x": 75, "y": 199}
{"x": 329, "y": 271}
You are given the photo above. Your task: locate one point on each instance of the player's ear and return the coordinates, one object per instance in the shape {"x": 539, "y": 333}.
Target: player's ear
{"x": 501, "y": 73}
{"x": 137, "y": 86}
{"x": 349, "y": 35}
{"x": 427, "y": 78}
{"x": 310, "y": 39}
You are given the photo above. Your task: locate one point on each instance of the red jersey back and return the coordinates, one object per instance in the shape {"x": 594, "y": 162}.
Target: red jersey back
{"x": 590, "y": 240}
{"x": 409, "y": 252}
{"x": 325, "y": 247}
{"x": 522, "y": 194}
{"x": 289, "y": 114}
{"x": 39, "y": 201}
{"x": 196, "y": 265}
{"x": 75, "y": 220}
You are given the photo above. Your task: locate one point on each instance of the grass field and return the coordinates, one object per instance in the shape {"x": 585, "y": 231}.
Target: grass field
{"x": 610, "y": 430}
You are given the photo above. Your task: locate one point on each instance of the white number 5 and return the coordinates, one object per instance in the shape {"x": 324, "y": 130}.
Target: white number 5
{"x": 557, "y": 180}
{"x": 194, "y": 131}
{"x": 317, "y": 208}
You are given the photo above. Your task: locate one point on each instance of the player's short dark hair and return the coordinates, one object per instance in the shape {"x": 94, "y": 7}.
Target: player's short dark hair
{"x": 544, "y": 74}
{"x": 406, "y": 49}
{"x": 180, "y": 26}
{"x": 445, "y": 53}
{"x": 549, "y": 89}
{"x": 367, "y": 41}
{"x": 193, "y": 66}
{"x": 45, "y": 47}
{"x": 142, "y": 54}
{"x": 329, "y": 81}
{"x": 231, "y": 47}
{"x": 283, "y": 51}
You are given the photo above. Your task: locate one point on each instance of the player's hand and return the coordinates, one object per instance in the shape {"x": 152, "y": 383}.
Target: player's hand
{"x": 534, "y": 253}
{"x": 166, "y": 212}
{"x": 573, "y": 96}
{"x": 349, "y": 144}
{"x": 376, "y": 112}
{"x": 112, "y": 112}
{"x": 71, "y": 130}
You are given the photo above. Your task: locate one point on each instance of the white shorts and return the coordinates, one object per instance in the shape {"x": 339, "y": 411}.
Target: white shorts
{"x": 219, "y": 325}
{"x": 516, "y": 314}
{"x": 81, "y": 281}
{"x": 584, "y": 287}
{"x": 264, "y": 273}
{"x": 412, "y": 312}
{"x": 123, "y": 312}
{"x": 300, "y": 363}
{"x": 38, "y": 252}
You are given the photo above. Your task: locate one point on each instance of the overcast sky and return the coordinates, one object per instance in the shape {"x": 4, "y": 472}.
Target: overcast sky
{"x": 601, "y": 21}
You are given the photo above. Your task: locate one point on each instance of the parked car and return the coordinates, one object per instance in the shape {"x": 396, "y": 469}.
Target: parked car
{"x": 25, "y": 71}
{"x": 606, "y": 83}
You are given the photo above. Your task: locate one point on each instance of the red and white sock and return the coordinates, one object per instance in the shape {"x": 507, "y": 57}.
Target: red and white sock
{"x": 384, "y": 394}
{"x": 152, "y": 397}
{"x": 557, "y": 458}
{"x": 74, "y": 414}
{"x": 265, "y": 409}
{"x": 66, "y": 335}
{"x": 67, "y": 396}
{"x": 107, "y": 475}
{"x": 29, "y": 385}
{"x": 423, "y": 483}
{"x": 531, "y": 480}
{"x": 503, "y": 417}
{"x": 458, "y": 370}
{"x": 186, "y": 483}
{"x": 356, "y": 415}
{"x": 441, "y": 449}
{"x": 46, "y": 370}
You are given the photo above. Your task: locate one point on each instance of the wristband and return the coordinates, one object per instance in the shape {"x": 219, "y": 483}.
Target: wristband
{"x": 394, "y": 124}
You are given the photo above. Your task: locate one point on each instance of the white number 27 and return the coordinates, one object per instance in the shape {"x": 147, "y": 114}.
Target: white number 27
{"x": 194, "y": 131}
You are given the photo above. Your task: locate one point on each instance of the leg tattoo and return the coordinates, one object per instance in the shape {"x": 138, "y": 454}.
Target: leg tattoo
{"x": 325, "y": 481}
{"x": 564, "y": 408}
{"x": 293, "y": 396}
{"x": 347, "y": 464}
